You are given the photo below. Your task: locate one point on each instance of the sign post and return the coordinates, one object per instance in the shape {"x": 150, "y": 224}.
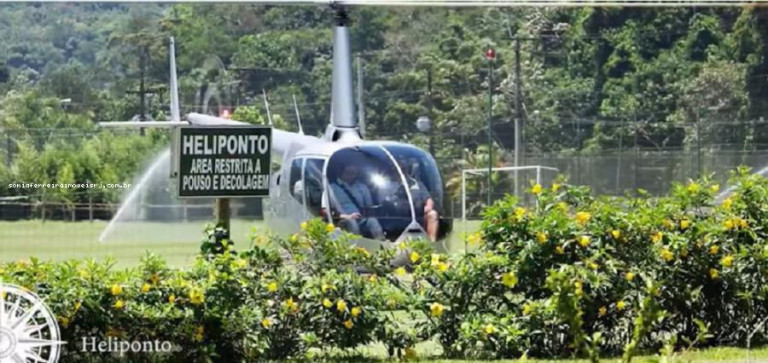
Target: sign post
{"x": 223, "y": 162}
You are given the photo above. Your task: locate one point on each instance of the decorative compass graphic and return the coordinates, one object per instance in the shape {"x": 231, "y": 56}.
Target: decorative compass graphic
{"x": 28, "y": 330}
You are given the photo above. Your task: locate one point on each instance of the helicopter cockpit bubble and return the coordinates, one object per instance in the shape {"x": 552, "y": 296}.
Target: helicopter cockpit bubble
{"x": 380, "y": 192}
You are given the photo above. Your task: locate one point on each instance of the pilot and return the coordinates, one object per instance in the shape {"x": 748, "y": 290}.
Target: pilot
{"x": 421, "y": 197}
{"x": 353, "y": 199}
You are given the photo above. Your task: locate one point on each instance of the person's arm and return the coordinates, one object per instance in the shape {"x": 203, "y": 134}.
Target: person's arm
{"x": 429, "y": 205}
{"x": 339, "y": 195}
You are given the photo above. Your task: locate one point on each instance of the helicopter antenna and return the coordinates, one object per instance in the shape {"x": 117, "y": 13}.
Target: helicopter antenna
{"x": 298, "y": 117}
{"x": 266, "y": 104}
{"x": 175, "y": 113}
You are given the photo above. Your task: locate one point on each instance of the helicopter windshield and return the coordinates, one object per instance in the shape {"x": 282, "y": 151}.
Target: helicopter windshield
{"x": 422, "y": 176}
{"x": 367, "y": 194}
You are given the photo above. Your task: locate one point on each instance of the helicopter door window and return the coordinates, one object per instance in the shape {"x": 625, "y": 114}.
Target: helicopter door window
{"x": 295, "y": 184}
{"x": 313, "y": 185}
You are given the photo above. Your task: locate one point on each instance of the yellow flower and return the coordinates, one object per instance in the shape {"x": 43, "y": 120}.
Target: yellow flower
{"x": 579, "y": 287}
{"x": 592, "y": 265}
{"x": 196, "y": 296}
{"x": 303, "y": 226}
{"x": 714, "y": 273}
{"x": 327, "y": 287}
{"x": 630, "y": 276}
{"x": 668, "y": 224}
{"x": 559, "y": 250}
{"x": 583, "y": 217}
{"x": 172, "y": 299}
{"x": 621, "y": 305}
{"x": 199, "y": 333}
{"x": 145, "y": 288}
{"x": 541, "y": 237}
{"x": 341, "y": 305}
{"x": 436, "y": 309}
{"x": 363, "y": 251}
{"x": 330, "y": 228}
{"x": 519, "y": 212}
{"x": 373, "y": 278}
{"x": 616, "y": 234}
{"x": 475, "y": 239}
{"x": 272, "y": 286}
{"x": 442, "y": 267}
{"x": 526, "y": 309}
{"x": 266, "y": 323}
{"x": 435, "y": 260}
{"x": 536, "y": 189}
{"x": 693, "y": 188}
{"x": 602, "y": 311}
{"x": 295, "y": 237}
{"x": 64, "y": 321}
{"x": 78, "y": 304}
{"x": 684, "y": 224}
{"x": 584, "y": 241}
{"x": 116, "y": 290}
{"x": 667, "y": 255}
{"x": 728, "y": 224}
{"x": 727, "y": 261}
{"x": 490, "y": 329}
{"x": 742, "y": 223}
{"x": 415, "y": 256}
{"x": 119, "y": 304}
{"x": 715, "y": 188}
{"x": 290, "y": 304}
{"x": 727, "y": 203}
{"x": 555, "y": 187}
{"x": 410, "y": 353}
{"x": 562, "y": 206}
{"x": 327, "y": 303}
{"x": 656, "y": 237}
{"x": 509, "y": 279}
{"x": 400, "y": 271}
{"x": 714, "y": 249}
{"x": 355, "y": 311}
{"x": 348, "y": 324}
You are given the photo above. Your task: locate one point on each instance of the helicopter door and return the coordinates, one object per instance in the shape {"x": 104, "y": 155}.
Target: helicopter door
{"x": 313, "y": 186}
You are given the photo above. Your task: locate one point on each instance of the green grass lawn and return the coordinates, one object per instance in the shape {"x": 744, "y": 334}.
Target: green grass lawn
{"x": 56, "y": 240}
{"x": 177, "y": 242}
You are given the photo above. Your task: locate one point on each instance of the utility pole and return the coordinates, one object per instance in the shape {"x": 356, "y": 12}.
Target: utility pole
{"x": 490, "y": 54}
{"x": 360, "y": 107}
{"x": 518, "y": 117}
{"x": 142, "y": 90}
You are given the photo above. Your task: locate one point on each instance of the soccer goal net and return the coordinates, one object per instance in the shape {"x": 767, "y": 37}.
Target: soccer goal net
{"x": 478, "y": 190}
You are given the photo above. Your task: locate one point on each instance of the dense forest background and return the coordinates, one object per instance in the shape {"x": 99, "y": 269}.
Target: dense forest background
{"x": 591, "y": 80}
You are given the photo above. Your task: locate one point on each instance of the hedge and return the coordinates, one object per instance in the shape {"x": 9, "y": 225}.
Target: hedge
{"x": 573, "y": 276}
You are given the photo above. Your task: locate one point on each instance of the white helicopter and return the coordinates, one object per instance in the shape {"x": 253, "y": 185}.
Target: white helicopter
{"x": 383, "y": 191}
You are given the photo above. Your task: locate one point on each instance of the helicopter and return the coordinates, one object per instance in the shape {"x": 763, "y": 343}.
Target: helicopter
{"x": 382, "y": 191}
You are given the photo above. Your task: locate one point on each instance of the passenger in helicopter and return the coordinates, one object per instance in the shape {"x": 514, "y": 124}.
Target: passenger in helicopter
{"x": 422, "y": 199}
{"x": 353, "y": 200}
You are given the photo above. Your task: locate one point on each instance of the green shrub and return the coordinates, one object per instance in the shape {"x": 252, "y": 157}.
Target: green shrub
{"x": 573, "y": 276}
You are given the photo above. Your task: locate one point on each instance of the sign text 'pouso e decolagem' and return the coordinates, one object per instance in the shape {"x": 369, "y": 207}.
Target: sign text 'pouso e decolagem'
{"x": 224, "y": 161}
